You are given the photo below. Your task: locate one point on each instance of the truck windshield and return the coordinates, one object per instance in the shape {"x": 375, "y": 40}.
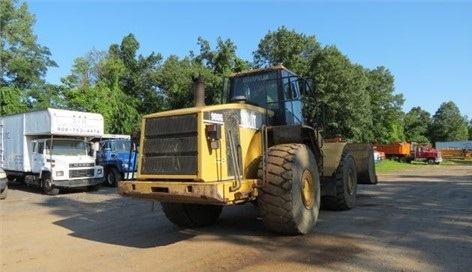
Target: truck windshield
{"x": 66, "y": 147}
{"x": 121, "y": 146}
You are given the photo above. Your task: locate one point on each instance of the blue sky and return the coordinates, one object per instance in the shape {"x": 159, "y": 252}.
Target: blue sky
{"x": 426, "y": 45}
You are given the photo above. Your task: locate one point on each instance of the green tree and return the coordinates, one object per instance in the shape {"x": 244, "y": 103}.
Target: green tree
{"x": 341, "y": 87}
{"x": 448, "y": 124}
{"x": 221, "y": 61}
{"x": 416, "y": 124}
{"x": 386, "y": 107}
{"x": 23, "y": 61}
{"x": 94, "y": 86}
{"x": 138, "y": 79}
{"x": 10, "y": 101}
{"x": 175, "y": 81}
{"x": 470, "y": 129}
{"x": 215, "y": 65}
{"x": 293, "y": 50}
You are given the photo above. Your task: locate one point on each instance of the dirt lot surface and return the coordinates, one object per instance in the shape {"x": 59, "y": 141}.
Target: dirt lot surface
{"x": 417, "y": 220}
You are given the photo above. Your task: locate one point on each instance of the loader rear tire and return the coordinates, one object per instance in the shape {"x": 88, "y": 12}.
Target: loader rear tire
{"x": 191, "y": 215}
{"x": 346, "y": 185}
{"x": 369, "y": 176}
{"x": 289, "y": 200}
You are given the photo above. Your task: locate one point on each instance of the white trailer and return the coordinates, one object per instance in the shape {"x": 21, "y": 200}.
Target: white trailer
{"x": 48, "y": 148}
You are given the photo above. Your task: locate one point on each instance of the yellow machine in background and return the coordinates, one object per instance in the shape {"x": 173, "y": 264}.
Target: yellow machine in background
{"x": 255, "y": 147}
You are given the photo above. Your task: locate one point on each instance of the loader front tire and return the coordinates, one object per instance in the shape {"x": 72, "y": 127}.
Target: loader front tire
{"x": 191, "y": 215}
{"x": 289, "y": 200}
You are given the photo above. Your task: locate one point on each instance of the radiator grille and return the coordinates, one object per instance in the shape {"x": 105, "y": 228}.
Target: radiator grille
{"x": 170, "y": 146}
{"x": 82, "y": 173}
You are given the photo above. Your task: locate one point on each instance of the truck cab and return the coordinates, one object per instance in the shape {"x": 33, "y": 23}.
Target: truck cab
{"x": 426, "y": 154}
{"x": 117, "y": 154}
{"x": 62, "y": 162}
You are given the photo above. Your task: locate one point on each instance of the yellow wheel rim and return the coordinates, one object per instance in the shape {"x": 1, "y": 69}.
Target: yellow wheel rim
{"x": 308, "y": 189}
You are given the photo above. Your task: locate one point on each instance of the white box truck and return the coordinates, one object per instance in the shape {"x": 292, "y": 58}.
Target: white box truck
{"x": 49, "y": 148}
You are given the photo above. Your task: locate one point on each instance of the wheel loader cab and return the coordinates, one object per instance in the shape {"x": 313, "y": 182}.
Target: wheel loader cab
{"x": 276, "y": 89}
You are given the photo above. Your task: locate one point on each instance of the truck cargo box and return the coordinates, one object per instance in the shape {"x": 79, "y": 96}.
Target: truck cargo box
{"x": 18, "y": 130}
{"x": 395, "y": 149}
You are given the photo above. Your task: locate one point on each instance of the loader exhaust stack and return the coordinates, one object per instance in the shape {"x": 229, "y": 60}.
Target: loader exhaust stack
{"x": 199, "y": 91}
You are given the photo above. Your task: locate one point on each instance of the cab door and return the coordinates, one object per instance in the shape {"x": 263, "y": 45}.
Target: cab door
{"x": 292, "y": 103}
{"x": 38, "y": 156}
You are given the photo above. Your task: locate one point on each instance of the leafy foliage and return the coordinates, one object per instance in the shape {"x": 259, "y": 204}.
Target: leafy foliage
{"x": 23, "y": 61}
{"x": 416, "y": 124}
{"x": 293, "y": 50}
{"x": 356, "y": 103}
{"x": 341, "y": 86}
{"x": 386, "y": 106}
{"x": 448, "y": 124}
{"x": 470, "y": 129}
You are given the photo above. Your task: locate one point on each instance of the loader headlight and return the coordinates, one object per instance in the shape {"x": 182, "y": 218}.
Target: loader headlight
{"x": 213, "y": 134}
{"x": 213, "y": 131}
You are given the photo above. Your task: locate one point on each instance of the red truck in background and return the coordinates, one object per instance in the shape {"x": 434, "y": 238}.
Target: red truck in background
{"x": 408, "y": 152}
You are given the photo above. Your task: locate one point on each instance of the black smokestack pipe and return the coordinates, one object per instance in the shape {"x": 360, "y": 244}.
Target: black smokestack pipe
{"x": 199, "y": 91}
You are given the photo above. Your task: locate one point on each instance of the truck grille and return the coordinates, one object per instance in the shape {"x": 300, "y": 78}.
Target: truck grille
{"x": 170, "y": 146}
{"x": 81, "y": 173}
{"x": 81, "y": 164}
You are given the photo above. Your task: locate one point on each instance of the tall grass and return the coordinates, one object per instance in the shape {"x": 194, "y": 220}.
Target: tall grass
{"x": 387, "y": 166}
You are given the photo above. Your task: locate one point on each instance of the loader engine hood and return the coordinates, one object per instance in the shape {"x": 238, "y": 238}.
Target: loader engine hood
{"x": 183, "y": 143}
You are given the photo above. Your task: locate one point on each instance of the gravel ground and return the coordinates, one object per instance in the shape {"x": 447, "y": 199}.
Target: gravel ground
{"x": 416, "y": 220}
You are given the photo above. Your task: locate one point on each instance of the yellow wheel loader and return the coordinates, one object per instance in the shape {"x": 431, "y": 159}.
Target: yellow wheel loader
{"x": 255, "y": 147}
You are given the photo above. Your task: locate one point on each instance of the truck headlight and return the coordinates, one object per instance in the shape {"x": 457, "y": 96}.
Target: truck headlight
{"x": 99, "y": 171}
{"x": 125, "y": 166}
{"x": 59, "y": 173}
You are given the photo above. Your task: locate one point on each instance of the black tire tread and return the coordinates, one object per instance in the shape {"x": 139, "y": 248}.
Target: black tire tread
{"x": 3, "y": 195}
{"x": 191, "y": 215}
{"x": 275, "y": 199}
{"x": 116, "y": 174}
{"x": 369, "y": 176}
{"x": 49, "y": 190}
{"x": 339, "y": 202}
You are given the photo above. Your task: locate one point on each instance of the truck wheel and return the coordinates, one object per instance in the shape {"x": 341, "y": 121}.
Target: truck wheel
{"x": 112, "y": 177}
{"x": 191, "y": 215}
{"x": 431, "y": 161}
{"x": 289, "y": 200}
{"x": 4, "y": 193}
{"x": 346, "y": 185}
{"x": 48, "y": 188}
